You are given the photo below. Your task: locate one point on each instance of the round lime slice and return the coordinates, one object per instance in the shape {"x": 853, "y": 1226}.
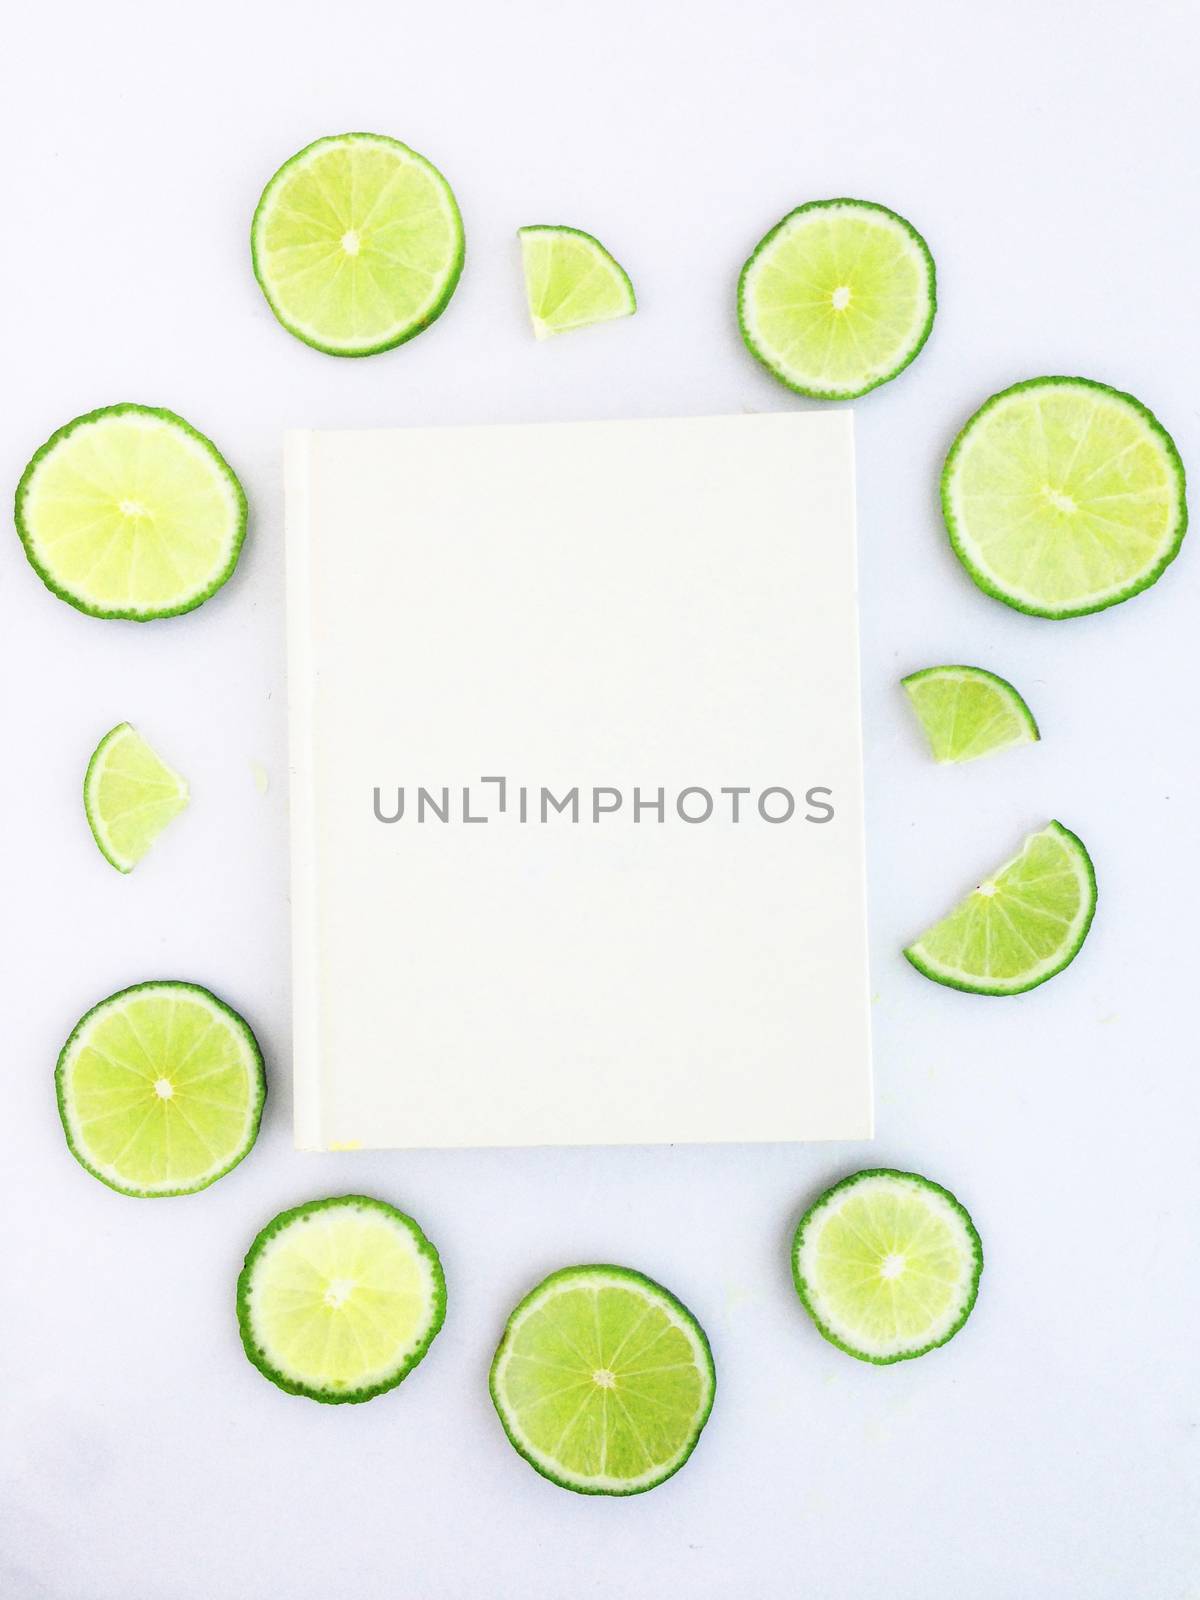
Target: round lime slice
{"x": 129, "y": 794}
{"x": 1021, "y": 925}
{"x": 571, "y": 280}
{"x": 129, "y": 512}
{"x": 357, "y": 244}
{"x": 1063, "y": 496}
{"x": 967, "y": 712}
{"x": 160, "y": 1089}
{"x": 339, "y": 1299}
{"x": 838, "y": 298}
{"x": 603, "y": 1380}
{"x": 887, "y": 1265}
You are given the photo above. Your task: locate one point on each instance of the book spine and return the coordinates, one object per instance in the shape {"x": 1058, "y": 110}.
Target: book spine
{"x": 306, "y": 1010}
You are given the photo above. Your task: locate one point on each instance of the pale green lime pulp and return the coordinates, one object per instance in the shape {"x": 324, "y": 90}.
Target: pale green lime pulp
{"x": 340, "y": 1298}
{"x": 838, "y": 298}
{"x": 603, "y": 1381}
{"x": 1063, "y": 496}
{"x": 887, "y": 1264}
{"x": 967, "y": 712}
{"x": 1021, "y": 925}
{"x": 571, "y": 280}
{"x": 357, "y": 243}
{"x": 160, "y": 1089}
{"x": 128, "y": 512}
{"x": 130, "y": 795}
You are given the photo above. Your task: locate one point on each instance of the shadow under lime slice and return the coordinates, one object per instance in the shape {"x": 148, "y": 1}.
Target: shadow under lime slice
{"x": 339, "y": 1299}
{"x": 1023, "y": 924}
{"x": 838, "y": 298}
{"x": 129, "y": 512}
{"x": 887, "y": 1264}
{"x": 603, "y": 1380}
{"x": 129, "y": 795}
{"x": 160, "y": 1089}
{"x": 967, "y": 712}
{"x": 357, "y": 244}
{"x": 571, "y": 281}
{"x": 1063, "y": 496}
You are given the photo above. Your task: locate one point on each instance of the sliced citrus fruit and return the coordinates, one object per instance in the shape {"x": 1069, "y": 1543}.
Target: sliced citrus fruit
{"x": 129, "y": 512}
{"x": 1063, "y": 496}
{"x": 887, "y": 1264}
{"x": 603, "y": 1380}
{"x": 129, "y": 794}
{"x": 571, "y": 280}
{"x": 160, "y": 1089}
{"x": 838, "y": 298}
{"x": 967, "y": 712}
{"x": 357, "y": 244}
{"x": 1021, "y": 925}
{"x": 340, "y": 1299}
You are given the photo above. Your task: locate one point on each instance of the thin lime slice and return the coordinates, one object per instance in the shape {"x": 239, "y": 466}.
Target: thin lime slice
{"x": 838, "y": 298}
{"x": 339, "y": 1299}
{"x": 887, "y": 1265}
{"x": 1063, "y": 496}
{"x": 1021, "y": 925}
{"x": 129, "y": 512}
{"x": 160, "y": 1089}
{"x": 357, "y": 244}
{"x": 967, "y": 712}
{"x": 603, "y": 1380}
{"x": 129, "y": 794}
{"x": 571, "y": 280}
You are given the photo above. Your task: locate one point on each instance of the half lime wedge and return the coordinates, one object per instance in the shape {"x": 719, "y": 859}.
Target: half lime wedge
{"x": 1021, "y": 925}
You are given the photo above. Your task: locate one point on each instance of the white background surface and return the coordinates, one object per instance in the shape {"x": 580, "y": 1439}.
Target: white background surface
{"x": 1048, "y": 155}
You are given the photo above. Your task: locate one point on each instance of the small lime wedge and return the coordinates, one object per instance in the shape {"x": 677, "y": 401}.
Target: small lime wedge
{"x": 129, "y": 512}
{"x": 838, "y": 298}
{"x": 603, "y": 1380}
{"x": 129, "y": 794}
{"x": 571, "y": 280}
{"x": 967, "y": 712}
{"x": 1021, "y": 925}
{"x": 887, "y": 1264}
{"x": 357, "y": 244}
{"x": 160, "y": 1089}
{"x": 340, "y": 1299}
{"x": 1063, "y": 496}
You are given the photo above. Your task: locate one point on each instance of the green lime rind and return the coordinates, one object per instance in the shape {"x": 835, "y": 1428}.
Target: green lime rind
{"x": 63, "y": 1092}
{"x": 99, "y": 828}
{"x": 1010, "y": 720}
{"x": 1143, "y": 580}
{"x": 404, "y": 331}
{"x": 809, "y": 1297}
{"x": 652, "y": 1291}
{"x": 322, "y": 1393}
{"x": 187, "y": 602}
{"x": 953, "y": 979}
{"x": 920, "y": 333}
{"x": 617, "y": 278}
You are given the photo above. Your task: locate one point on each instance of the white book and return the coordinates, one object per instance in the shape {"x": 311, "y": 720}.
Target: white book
{"x": 577, "y": 822}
